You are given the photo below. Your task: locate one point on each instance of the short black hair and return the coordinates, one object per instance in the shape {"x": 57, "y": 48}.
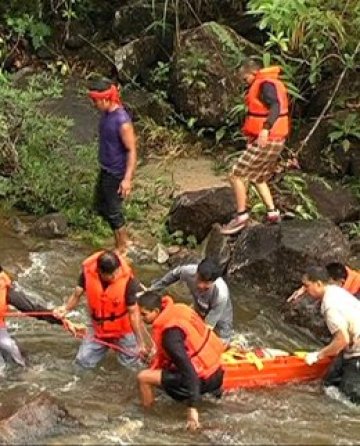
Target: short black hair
{"x": 150, "y": 300}
{"x": 337, "y": 271}
{"x": 100, "y": 84}
{"x": 250, "y": 65}
{"x": 108, "y": 262}
{"x": 317, "y": 273}
{"x": 208, "y": 270}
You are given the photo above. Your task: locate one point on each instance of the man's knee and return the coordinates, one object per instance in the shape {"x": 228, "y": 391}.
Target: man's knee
{"x": 86, "y": 359}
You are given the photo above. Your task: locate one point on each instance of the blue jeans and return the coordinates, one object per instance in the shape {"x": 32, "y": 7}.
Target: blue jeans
{"x": 91, "y": 352}
{"x": 9, "y": 347}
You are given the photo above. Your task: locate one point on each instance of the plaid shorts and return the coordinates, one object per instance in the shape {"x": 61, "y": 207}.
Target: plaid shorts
{"x": 257, "y": 164}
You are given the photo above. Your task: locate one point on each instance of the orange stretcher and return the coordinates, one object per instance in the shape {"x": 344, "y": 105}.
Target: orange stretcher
{"x": 267, "y": 367}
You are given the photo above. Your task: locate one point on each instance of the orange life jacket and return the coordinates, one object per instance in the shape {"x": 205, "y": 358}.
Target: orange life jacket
{"x": 107, "y": 307}
{"x": 352, "y": 282}
{"x": 258, "y": 111}
{"x": 203, "y": 346}
{"x": 5, "y": 283}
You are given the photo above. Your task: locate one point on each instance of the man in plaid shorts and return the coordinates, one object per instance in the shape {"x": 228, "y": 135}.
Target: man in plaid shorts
{"x": 266, "y": 128}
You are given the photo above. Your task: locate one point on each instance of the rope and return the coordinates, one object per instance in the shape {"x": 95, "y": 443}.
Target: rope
{"x": 111, "y": 345}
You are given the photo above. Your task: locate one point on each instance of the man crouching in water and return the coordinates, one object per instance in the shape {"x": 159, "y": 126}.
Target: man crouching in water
{"x": 187, "y": 360}
{"x": 341, "y": 311}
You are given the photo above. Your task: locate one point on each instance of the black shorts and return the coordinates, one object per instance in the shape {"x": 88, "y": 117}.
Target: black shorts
{"x": 172, "y": 383}
{"x": 345, "y": 374}
{"x": 107, "y": 201}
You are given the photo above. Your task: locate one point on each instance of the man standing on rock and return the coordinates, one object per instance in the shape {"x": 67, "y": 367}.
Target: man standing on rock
{"x": 266, "y": 128}
{"x": 341, "y": 311}
{"x": 209, "y": 291}
{"x": 117, "y": 157}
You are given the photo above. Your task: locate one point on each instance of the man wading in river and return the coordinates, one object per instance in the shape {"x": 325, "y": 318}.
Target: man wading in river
{"x": 117, "y": 157}
{"x": 11, "y": 295}
{"x": 187, "y": 361}
{"x": 110, "y": 289}
{"x": 210, "y": 294}
{"x": 341, "y": 311}
{"x": 266, "y": 128}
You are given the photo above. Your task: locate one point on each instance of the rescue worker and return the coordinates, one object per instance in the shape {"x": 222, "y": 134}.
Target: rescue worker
{"x": 266, "y": 128}
{"x": 210, "y": 294}
{"x": 117, "y": 158}
{"x": 10, "y": 294}
{"x": 341, "y": 311}
{"x": 187, "y": 361}
{"x": 340, "y": 275}
{"x": 110, "y": 288}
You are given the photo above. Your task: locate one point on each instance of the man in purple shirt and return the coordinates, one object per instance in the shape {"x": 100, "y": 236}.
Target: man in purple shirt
{"x": 117, "y": 158}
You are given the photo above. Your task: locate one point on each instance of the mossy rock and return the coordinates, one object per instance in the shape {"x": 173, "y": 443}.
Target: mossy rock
{"x": 205, "y": 80}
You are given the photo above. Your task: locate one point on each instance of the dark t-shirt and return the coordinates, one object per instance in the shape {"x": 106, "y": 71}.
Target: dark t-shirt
{"x": 112, "y": 152}
{"x": 132, "y": 287}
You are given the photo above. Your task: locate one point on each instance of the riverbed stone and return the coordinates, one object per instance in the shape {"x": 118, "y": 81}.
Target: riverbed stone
{"x": 35, "y": 419}
{"x": 273, "y": 257}
{"x": 195, "y": 212}
{"x": 51, "y": 226}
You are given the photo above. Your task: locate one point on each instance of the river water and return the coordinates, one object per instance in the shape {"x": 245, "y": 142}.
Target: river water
{"x": 105, "y": 400}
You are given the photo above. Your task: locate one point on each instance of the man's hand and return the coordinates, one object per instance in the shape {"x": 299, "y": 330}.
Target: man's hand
{"x": 75, "y": 329}
{"x": 296, "y": 295}
{"x": 263, "y": 138}
{"x": 311, "y": 358}
{"x": 60, "y": 312}
{"x": 192, "y": 419}
{"x": 124, "y": 188}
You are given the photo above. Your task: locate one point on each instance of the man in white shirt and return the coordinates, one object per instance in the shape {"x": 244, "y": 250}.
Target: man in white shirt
{"x": 341, "y": 311}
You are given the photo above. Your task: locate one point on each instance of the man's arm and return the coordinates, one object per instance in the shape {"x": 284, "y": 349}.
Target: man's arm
{"x": 339, "y": 342}
{"x": 173, "y": 343}
{"x": 21, "y": 302}
{"x": 127, "y": 135}
{"x": 72, "y": 303}
{"x": 217, "y": 309}
{"x": 268, "y": 96}
{"x": 169, "y": 278}
{"x": 132, "y": 288}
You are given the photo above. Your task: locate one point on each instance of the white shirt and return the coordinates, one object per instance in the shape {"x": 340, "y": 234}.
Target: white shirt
{"x": 341, "y": 311}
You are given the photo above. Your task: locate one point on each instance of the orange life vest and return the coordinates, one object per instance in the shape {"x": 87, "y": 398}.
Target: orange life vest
{"x": 258, "y": 111}
{"x": 352, "y": 282}
{"x": 203, "y": 346}
{"x": 107, "y": 307}
{"x": 5, "y": 283}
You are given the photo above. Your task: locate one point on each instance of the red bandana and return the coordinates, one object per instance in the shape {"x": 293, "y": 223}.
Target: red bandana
{"x": 111, "y": 94}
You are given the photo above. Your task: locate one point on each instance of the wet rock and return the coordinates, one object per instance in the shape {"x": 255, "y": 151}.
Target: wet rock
{"x": 160, "y": 254}
{"x": 195, "y": 212}
{"x": 306, "y": 314}
{"x": 184, "y": 257}
{"x": 334, "y": 201}
{"x": 273, "y": 258}
{"x": 138, "y": 254}
{"x": 50, "y": 226}
{"x": 133, "y": 18}
{"x": 218, "y": 246}
{"x": 134, "y": 57}
{"x": 17, "y": 225}
{"x": 36, "y": 418}
{"x": 205, "y": 83}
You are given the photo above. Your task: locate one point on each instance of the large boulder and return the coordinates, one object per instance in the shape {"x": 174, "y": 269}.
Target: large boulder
{"x": 334, "y": 201}
{"x": 35, "y": 419}
{"x": 272, "y": 258}
{"x": 306, "y": 314}
{"x": 195, "y": 212}
{"x": 205, "y": 82}
{"x": 134, "y": 57}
